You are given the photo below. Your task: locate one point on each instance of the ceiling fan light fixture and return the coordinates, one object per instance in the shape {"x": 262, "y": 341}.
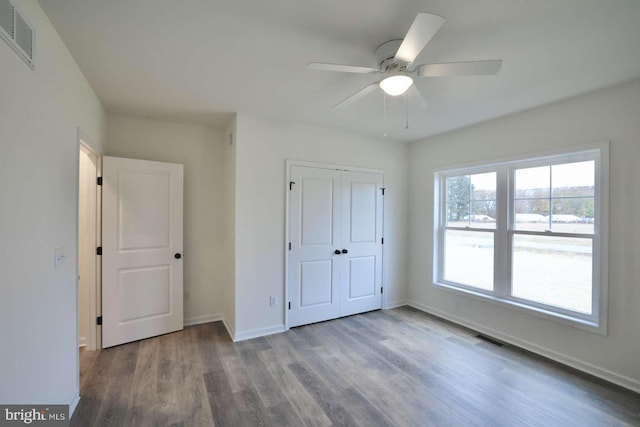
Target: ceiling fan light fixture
{"x": 396, "y": 85}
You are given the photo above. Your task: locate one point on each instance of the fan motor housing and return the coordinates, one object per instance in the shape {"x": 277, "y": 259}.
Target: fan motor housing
{"x": 385, "y": 54}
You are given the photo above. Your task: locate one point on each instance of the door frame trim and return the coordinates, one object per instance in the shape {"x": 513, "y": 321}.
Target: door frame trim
{"x": 93, "y": 338}
{"x": 345, "y": 168}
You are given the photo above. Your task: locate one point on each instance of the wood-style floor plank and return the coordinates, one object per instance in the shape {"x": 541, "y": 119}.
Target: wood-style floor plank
{"x": 93, "y": 388}
{"x": 114, "y": 407}
{"x": 87, "y": 361}
{"x": 296, "y": 394}
{"x": 385, "y": 368}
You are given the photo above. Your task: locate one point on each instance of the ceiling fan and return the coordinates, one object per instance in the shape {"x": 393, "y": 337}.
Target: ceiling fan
{"x": 395, "y": 62}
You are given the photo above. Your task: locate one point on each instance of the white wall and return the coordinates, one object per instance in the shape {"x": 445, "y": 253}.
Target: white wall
{"x": 201, "y": 150}
{"x": 262, "y": 148}
{"x": 610, "y": 114}
{"x": 40, "y": 111}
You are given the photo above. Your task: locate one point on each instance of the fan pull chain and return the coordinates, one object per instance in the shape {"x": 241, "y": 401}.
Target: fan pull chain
{"x": 384, "y": 113}
{"x": 406, "y": 124}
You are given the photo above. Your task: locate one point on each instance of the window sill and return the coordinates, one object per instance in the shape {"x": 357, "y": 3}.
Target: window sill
{"x": 586, "y": 325}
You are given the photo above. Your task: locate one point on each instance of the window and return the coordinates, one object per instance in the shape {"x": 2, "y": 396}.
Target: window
{"x": 527, "y": 233}
{"x": 470, "y": 229}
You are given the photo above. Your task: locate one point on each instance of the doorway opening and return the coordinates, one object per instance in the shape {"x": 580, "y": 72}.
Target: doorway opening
{"x": 88, "y": 241}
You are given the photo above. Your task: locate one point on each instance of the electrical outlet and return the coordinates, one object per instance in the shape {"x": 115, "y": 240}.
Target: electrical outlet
{"x": 273, "y": 301}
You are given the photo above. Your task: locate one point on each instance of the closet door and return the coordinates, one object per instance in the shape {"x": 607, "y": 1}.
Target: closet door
{"x": 362, "y": 213}
{"x": 335, "y": 255}
{"x": 314, "y": 269}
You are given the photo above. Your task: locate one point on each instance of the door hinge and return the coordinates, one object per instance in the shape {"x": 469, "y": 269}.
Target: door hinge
{"x": 289, "y": 305}
{"x": 99, "y": 180}
{"x": 99, "y": 250}
{"x": 381, "y": 289}
{"x": 383, "y": 190}
{"x": 382, "y": 242}
{"x": 99, "y": 320}
{"x": 289, "y": 245}
{"x": 291, "y": 185}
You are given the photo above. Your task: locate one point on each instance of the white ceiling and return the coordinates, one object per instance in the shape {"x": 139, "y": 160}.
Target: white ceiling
{"x": 198, "y": 59}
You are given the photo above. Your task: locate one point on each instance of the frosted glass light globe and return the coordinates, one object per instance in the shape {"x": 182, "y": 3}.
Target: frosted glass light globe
{"x": 396, "y": 85}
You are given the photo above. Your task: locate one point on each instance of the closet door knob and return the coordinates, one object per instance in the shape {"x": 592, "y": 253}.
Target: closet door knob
{"x": 344, "y": 251}
{"x": 337, "y": 252}
{"x": 178, "y": 256}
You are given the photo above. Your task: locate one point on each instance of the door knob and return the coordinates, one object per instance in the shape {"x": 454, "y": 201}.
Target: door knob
{"x": 178, "y": 256}
{"x": 337, "y": 252}
{"x": 344, "y": 251}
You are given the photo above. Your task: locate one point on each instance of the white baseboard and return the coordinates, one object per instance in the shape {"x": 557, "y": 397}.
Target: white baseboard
{"x": 196, "y": 320}
{"x": 73, "y": 403}
{"x": 82, "y": 342}
{"x": 394, "y": 304}
{"x": 255, "y": 333}
{"x": 229, "y": 328}
{"x": 596, "y": 371}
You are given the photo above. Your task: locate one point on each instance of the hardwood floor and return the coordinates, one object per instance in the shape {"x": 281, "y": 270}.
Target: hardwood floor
{"x": 385, "y": 368}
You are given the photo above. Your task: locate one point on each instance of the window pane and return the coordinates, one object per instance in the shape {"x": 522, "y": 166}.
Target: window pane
{"x": 532, "y": 190}
{"x": 532, "y": 214}
{"x": 483, "y": 200}
{"x": 458, "y": 214}
{"x": 471, "y": 200}
{"x": 559, "y": 198}
{"x": 553, "y": 270}
{"x": 468, "y": 258}
{"x": 573, "y": 179}
{"x": 483, "y": 186}
{"x": 532, "y": 183}
{"x": 458, "y": 200}
{"x": 573, "y": 215}
{"x": 483, "y": 214}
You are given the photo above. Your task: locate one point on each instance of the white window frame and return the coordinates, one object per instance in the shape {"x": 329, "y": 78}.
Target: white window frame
{"x": 505, "y": 230}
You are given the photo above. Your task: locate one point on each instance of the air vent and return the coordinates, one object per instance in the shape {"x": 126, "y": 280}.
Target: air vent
{"x": 16, "y": 31}
{"x": 7, "y": 18}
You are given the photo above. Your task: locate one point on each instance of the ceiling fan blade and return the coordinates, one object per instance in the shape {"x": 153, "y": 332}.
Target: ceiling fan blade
{"x": 415, "y": 94}
{"x": 359, "y": 94}
{"x": 422, "y": 30}
{"x": 341, "y": 68}
{"x": 470, "y": 68}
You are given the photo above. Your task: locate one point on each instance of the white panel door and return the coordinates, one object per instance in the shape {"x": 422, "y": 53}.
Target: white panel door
{"x": 335, "y": 256}
{"x": 315, "y": 228}
{"x": 361, "y": 280}
{"x": 141, "y": 249}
